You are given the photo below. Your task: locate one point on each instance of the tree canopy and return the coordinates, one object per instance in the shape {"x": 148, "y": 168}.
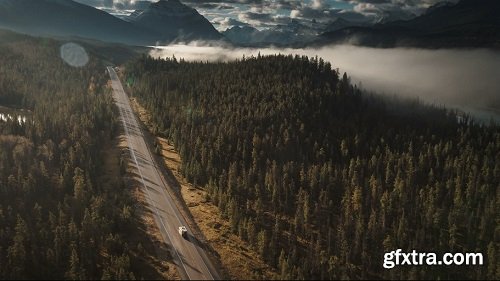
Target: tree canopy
{"x": 321, "y": 177}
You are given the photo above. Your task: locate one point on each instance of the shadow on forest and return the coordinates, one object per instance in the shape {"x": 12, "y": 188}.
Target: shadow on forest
{"x": 150, "y": 259}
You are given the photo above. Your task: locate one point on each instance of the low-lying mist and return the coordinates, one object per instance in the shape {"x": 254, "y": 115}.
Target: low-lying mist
{"x": 469, "y": 79}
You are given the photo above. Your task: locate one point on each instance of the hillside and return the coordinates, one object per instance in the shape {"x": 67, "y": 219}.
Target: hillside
{"x": 160, "y": 22}
{"x": 64, "y": 211}
{"x": 321, "y": 178}
{"x": 175, "y": 21}
{"x": 469, "y": 23}
{"x": 292, "y": 33}
{"x": 68, "y": 18}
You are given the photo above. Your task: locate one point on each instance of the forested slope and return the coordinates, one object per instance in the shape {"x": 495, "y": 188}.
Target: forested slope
{"x": 321, "y": 178}
{"x": 57, "y": 221}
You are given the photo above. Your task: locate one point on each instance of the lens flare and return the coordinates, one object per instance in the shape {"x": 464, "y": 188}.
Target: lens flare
{"x": 74, "y": 55}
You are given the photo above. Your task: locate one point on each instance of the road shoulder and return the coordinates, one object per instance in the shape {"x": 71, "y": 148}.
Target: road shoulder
{"x": 150, "y": 256}
{"x": 235, "y": 256}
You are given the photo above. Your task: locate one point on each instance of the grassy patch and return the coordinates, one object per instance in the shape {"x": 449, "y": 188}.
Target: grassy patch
{"x": 236, "y": 256}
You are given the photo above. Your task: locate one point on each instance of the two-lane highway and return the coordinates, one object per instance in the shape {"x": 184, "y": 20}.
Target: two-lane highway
{"x": 191, "y": 260}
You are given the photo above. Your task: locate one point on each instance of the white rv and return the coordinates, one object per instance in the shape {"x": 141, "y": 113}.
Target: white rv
{"x": 183, "y": 231}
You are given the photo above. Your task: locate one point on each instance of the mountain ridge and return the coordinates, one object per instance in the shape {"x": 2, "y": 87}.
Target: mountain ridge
{"x": 174, "y": 20}
{"x": 464, "y": 24}
{"x": 67, "y": 18}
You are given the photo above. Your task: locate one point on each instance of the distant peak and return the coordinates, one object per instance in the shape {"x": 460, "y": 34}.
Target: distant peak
{"x": 440, "y": 5}
{"x": 238, "y": 28}
{"x": 168, "y": 3}
{"x": 171, "y": 7}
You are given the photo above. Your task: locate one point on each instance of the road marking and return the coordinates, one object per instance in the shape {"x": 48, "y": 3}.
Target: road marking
{"x": 143, "y": 182}
{"x": 195, "y": 247}
{"x": 135, "y": 124}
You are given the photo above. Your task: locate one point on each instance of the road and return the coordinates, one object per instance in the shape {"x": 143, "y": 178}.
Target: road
{"x": 191, "y": 260}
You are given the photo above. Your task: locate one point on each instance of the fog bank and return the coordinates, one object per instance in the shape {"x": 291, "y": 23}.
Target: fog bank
{"x": 464, "y": 78}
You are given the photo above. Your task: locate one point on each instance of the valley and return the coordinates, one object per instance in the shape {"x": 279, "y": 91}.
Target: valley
{"x": 236, "y": 256}
{"x": 188, "y": 253}
{"x": 249, "y": 140}
{"x": 287, "y": 161}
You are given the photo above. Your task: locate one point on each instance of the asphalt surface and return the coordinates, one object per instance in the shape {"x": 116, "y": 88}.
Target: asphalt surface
{"x": 188, "y": 254}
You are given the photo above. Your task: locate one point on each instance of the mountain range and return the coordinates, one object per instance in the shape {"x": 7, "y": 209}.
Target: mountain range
{"x": 174, "y": 20}
{"x": 160, "y": 23}
{"x": 469, "y": 23}
{"x": 289, "y": 34}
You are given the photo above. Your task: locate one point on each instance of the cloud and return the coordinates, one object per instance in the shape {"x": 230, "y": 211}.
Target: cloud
{"x": 318, "y": 14}
{"x": 464, "y": 78}
{"x": 327, "y": 15}
{"x": 327, "y": 11}
{"x": 294, "y": 14}
{"x": 258, "y": 16}
{"x": 245, "y": 2}
{"x": 117, "y": 4}
{"x": 212, "y": 6}
{"x": 366, "y": 8}
{"x": 395, "y": 8}
{"x": 263, "y": 14}
{"x": 263, "y": 19}
{"x": 371, "y": 1}
{"x": 227, "y": 22}
{"x": 319, "y": 4}
{"x": 287, "y": 5}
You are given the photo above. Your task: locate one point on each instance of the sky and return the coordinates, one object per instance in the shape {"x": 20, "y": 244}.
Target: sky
{"x": 265, "y": 14}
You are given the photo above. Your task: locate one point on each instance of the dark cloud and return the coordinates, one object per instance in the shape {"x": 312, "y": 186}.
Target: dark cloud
{"x": 381, "y": 6}
{"x": 261, "y": 13}
{"x": 278, "y": 4}
{"x": 318, "y": 14}
{"x": 213, "y": 6}
{"x": 323, "y": 11}
{"x": 258, "y": 16}
{"x": 288, "y": 5}
{"x": 195, "y": 2}
{"x": 257, "y": 19}
{"x": 229, "y": 22}
{"x": 371, "y": 1}
{"x": 389, "y": 10}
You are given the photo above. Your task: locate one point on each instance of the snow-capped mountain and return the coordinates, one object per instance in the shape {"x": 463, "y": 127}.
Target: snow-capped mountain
{"x": 175, "y": 21}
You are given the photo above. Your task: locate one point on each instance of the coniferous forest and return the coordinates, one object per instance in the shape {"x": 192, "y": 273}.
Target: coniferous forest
{"x": 321, "y": 177}
{"x": 57, "y": 221}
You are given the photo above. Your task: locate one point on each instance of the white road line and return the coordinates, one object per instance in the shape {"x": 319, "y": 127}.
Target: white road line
{"x": 163, "y": 191}
{"x": 132, "y": 121}
{"x": 147, "y": 189}
{"x": 196, "y": 248}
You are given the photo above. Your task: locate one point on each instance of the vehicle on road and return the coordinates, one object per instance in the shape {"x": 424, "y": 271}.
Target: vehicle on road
{"x": 183, "y": 231}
